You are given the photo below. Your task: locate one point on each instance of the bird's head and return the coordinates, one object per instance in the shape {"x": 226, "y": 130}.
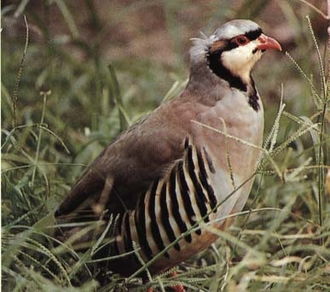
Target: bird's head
{"x": 233, "y": 49}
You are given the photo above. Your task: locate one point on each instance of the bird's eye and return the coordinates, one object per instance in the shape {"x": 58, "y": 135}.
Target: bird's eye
{"x": 241, "y": 40}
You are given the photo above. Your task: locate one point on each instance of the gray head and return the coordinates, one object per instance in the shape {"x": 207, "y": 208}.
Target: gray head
{"x": 232, "y": 49}
{"x": 234, "y": 28}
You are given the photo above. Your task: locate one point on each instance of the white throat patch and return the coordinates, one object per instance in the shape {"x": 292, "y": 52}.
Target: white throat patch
{"x": 240, "y": 60}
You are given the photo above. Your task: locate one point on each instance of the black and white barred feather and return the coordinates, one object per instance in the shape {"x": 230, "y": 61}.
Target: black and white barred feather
{"x": 173, "y": 205}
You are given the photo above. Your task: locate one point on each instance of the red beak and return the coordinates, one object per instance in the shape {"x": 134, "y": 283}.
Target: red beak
{"x": 266, "y": 43}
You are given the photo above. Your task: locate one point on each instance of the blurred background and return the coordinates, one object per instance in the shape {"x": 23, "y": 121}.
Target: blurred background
{"x": 76, "y": 73}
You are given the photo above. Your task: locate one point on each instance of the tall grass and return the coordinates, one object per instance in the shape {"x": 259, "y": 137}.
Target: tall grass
{"x": 59, "y": 112}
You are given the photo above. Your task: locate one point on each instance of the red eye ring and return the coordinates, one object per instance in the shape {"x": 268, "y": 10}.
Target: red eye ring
{"x": 241, "y": 40}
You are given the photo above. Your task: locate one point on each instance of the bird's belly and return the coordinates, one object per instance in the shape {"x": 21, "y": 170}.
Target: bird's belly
{"x": 198, "y": 244}
{"x": 170, "y": 256}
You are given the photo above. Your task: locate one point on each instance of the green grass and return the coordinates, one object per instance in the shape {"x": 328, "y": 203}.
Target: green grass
{"x": 64, "y": 99}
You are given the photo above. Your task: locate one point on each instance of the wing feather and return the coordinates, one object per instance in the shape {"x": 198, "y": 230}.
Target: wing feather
{"x": 132, "y": 162}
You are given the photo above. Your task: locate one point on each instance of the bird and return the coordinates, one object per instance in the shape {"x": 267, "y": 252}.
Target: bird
{"x": 184, "y": 168}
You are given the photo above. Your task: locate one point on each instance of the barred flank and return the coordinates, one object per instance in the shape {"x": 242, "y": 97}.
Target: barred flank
{"x": 171, "y": 206}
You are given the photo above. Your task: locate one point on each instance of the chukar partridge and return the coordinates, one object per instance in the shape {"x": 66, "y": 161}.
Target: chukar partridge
{"x": 184, "y": 166}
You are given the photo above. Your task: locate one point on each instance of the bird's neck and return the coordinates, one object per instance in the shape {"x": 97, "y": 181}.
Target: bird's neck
{"x": 211, "y": 86}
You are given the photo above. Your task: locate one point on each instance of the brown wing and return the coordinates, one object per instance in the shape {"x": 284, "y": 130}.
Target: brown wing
{"x": 127, "y": 167}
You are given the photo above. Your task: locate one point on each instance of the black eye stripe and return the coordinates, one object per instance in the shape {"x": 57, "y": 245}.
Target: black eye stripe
{"x": 254, "y": 34}
{"x": 251, "y": 35}
{"x": 230, "y": 44}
